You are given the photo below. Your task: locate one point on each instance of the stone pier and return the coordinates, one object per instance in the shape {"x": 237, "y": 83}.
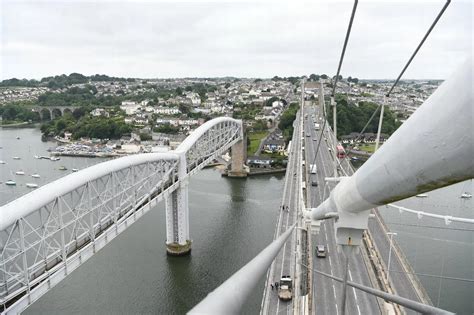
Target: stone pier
{"x": 239, "y": 156}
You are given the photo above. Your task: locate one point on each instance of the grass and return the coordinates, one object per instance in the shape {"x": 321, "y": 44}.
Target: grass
{"x": 368, "y": 147}
{"x": 255, "y": 138}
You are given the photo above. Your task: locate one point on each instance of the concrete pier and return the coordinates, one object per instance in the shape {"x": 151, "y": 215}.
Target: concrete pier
{"x": 238, "y": 155}
{"x": 175, "y": 249}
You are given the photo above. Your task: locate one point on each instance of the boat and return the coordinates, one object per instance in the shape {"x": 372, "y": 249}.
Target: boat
{"x": 37, "y": 157}
{"x": 3, "y": 162}
{"x": 422, "y": 195}
{"x": 31, "y": 185}
{"x": 53, "y": 158}
{"x": 62, "y": 168}
{"x": 18, "y": 138}
{"x": 75, "y": 169}
{"x": 10, "y": 182}
{"x": 17, "y": 158}
{"x": 466, "y": 195}
{"x": 44, "y": 157}
{"x": 20, "y": 173}
{"x": 35, "y": 175}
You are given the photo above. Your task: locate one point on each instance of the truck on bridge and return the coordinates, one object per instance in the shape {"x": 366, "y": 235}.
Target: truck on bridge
{"x": 285, "y": 290}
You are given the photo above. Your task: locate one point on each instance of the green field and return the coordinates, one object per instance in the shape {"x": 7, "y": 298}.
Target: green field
{"x": 255, "y": 138}
{"x": 368, "y": 147}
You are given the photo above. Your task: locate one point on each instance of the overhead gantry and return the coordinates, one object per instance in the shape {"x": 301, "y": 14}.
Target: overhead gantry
{"x": 49, "y": 232}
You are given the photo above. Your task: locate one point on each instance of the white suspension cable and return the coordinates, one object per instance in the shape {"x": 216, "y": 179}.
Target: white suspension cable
{"x": 447, "y": 218}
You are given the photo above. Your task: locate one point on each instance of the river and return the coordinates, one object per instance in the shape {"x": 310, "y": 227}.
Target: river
{"x": 231, "y": 220}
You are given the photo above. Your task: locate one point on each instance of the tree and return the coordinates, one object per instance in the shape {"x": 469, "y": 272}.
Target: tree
{"x": 314, "y": 77}
{"x": 183, "y": 108}
{"x": 259, "y": 125}
{"x": 324, "y": 76}
{"x": 227, "y": 85}
{"x": 179, "y": 91}
{"x": 351, "y": 118}
{"x": 270, "y": 101}
{"x": 145, "y": 136}
{"x": 293, "y": 80}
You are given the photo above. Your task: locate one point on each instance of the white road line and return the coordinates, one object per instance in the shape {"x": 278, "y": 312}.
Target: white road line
{"x": 358, "y": 309}
{"x": 330, "y": 264}
{"x": 334, "y": 291}
{"x": 337, "y": 309}
{"x": 353, "y": 289}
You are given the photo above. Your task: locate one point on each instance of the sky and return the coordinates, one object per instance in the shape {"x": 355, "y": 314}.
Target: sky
{"x": 259, "y": 38}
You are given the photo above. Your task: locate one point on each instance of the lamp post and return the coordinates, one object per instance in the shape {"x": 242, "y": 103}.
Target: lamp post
{"x": 391, "y": 234}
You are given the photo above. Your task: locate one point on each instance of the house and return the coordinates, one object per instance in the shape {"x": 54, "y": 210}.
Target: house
{"x": 167, "y": 110}
{"x": 259, "y": 161}
{"x": 164, "y": 121}
{"x": 99, "y": 112}
{"x": 129, "y": 107}
{"x": 193, "y": 98}
{"x": 273, "y": 145}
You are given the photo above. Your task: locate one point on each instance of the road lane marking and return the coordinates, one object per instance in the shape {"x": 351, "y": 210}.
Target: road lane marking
{"x": 354, "y": 290}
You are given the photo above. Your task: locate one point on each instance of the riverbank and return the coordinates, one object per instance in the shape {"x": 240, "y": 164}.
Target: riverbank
{"x": 18, "y": 125}
{"x": 266, "y": 171}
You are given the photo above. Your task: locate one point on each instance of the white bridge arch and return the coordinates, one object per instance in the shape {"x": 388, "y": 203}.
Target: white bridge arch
{"x": 49, "y": 232}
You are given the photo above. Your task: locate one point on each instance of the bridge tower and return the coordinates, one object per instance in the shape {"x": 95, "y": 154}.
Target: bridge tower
{"x": 239, "y": 156}
{"x": 178, "y": 242}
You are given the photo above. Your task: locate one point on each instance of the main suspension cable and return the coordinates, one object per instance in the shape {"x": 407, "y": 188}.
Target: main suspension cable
{"x": 419, "y": 45}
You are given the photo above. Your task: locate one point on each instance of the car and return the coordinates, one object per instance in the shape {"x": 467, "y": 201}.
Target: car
{"x": 307, "y": 135}
{"x": 315, "y": 139}
{"x": 321, "y": 251}
{"x": 314, "y": 183}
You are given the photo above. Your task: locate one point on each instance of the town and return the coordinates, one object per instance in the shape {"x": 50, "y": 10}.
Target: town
{"x": 155, "y": 115}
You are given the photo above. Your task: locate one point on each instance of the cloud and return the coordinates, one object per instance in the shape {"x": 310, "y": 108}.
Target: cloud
{"x": 240, "y": 38}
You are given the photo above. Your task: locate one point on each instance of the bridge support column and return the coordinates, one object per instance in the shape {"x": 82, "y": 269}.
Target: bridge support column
{"x": 239, "y": 154}
{"x": 178, "y": 242}
{"x": 177, "y": 223}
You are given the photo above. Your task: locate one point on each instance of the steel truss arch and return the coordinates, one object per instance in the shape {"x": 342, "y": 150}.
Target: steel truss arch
{"x": 49, "y": 232}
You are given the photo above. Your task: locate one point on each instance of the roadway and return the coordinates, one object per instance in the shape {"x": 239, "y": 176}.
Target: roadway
{"x": 400, "y": 281}
{"x": 284, "y": 263}
{"x": 327, "y": 292}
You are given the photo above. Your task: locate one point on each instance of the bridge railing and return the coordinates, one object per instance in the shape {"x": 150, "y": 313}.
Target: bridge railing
{"x": 41, "y": 230}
